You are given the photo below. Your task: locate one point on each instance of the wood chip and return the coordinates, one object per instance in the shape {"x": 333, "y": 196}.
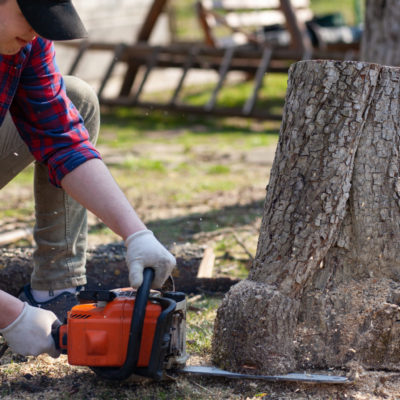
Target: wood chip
{"x": 207, "y": 264}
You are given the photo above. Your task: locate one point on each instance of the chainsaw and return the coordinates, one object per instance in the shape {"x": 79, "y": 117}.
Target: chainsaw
{"x": 119, "y": 333}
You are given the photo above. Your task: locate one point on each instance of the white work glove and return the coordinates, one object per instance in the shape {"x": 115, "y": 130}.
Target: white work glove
{"x": 144, "y": 250}
{"x": 30, "y": 333}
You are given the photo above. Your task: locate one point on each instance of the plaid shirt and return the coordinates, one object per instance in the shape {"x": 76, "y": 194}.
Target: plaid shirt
{"x": 32, "y": 89}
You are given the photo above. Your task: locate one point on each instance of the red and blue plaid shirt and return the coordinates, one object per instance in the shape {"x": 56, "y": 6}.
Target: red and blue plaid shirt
{"x": 32, "y": 88}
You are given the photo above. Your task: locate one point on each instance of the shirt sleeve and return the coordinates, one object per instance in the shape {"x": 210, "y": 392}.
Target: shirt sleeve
{"x": 45, "y": 117}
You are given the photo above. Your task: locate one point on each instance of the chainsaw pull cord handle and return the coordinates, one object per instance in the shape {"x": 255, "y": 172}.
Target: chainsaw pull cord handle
{"x": 135, "y": 333}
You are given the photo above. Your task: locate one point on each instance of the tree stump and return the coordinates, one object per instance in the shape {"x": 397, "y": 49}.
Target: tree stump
{"x": 324, "y": 287}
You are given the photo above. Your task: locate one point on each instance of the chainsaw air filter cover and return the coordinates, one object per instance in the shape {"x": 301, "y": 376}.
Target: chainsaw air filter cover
{"x": 98, "y": 335}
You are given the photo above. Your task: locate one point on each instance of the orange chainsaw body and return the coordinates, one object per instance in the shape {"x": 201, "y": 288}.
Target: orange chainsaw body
{"x": 97, "y": 335}
{"x": 121, "y": 332}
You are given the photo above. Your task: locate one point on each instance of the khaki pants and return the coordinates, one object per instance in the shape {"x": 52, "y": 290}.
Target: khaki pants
{"x": 60, "y": 230}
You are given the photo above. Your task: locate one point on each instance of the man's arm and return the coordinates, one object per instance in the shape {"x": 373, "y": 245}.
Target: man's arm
{"x": 92, "y": 185}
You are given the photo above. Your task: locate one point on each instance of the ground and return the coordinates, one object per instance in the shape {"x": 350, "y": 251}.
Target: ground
{"x": 194, "y": 191}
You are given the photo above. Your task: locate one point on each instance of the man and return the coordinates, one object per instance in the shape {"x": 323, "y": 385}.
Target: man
{"x": 39, "y": 121}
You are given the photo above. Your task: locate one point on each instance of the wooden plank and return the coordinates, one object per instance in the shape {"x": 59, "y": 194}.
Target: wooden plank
{"x": 207, "y": 264}
{"x": 119, "y": 50}
{"x": 251, "y": 101}
{"x": 95, "y": 45}
{"x": 203, "y": 17}
{"x": 143, "y": 50}
{"x": 300, "y": 39}
{"x": 263, "y": 18}
{"x": 81, "y": 51}
{"x": 250, "y": 4}
{"x": 155, "y": 11}
{"x": 186, "y": 67}
{"x": 245, "y": 59}
{"x": 246, "y": 17}
{"x": 226, "y": 62}
{"x": 254, "y": 18}
{"x": 150, "y": 21}
{"x": 150, "y": 65}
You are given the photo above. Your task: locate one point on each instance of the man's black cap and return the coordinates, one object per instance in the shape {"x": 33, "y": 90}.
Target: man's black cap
{"x": 53, "y": 19}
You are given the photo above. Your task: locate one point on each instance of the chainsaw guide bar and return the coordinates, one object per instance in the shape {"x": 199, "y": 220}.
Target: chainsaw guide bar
{"x": 293, "y": 377}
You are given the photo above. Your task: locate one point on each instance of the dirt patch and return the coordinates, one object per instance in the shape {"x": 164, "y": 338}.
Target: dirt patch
{"x": 45, "y": 378}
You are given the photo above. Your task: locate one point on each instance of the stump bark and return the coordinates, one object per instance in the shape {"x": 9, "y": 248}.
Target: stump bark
{"x": 324, "y": 288}
{"x": 381, "y": 34}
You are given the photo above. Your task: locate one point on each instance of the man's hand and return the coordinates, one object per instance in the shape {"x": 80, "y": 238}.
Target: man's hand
{"x": 144, "y": 250}
{"x": 30, "y": 333}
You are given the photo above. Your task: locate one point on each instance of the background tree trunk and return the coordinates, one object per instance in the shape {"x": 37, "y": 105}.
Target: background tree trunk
{"x": 324, "y": 288}
{"x": 381, "y": 37}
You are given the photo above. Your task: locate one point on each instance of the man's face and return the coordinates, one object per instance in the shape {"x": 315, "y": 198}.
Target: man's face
{"x": 15, "y": 32}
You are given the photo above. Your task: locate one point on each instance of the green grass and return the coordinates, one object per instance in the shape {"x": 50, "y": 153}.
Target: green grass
{"x": 142, "y": 164}
{"x": 200, "y": 317}
{"x": 122, "y": 127}
{"x": 227, "y": 137}
{"x": 25, "y": 176}
{"x": 352, "y": 10}
{"x": 218, "y": 170}
{"x": 191, "y": 168}
{"x": 270, "y": 97}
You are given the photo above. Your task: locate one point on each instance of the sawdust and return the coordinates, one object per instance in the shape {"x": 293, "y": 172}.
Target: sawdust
{"x": 45, "y": 378}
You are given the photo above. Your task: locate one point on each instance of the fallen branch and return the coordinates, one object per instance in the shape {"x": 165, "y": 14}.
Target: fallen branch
{"x": 242, "y": 245}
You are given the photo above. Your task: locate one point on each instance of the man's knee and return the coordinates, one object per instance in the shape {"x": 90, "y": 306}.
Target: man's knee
{"x": 85, "y": 100}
